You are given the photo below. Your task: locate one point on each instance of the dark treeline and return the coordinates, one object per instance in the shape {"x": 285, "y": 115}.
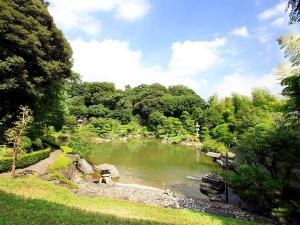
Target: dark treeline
{"x": 160, "y": 109}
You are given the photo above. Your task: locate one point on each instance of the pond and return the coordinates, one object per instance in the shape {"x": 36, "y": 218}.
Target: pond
{"x": 149, "y": 162}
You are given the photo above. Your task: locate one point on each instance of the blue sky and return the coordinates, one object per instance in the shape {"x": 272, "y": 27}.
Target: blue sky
{"x": 212, "y": 46}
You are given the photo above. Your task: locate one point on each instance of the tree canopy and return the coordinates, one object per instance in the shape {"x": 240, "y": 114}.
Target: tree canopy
{"x": 35, "y": 62}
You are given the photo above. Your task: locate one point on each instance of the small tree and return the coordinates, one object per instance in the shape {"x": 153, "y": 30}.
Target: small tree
{"x": 15, "y": 133}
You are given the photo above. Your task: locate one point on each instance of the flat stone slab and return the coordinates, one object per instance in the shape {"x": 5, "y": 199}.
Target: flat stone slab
{"x": 213, "y": 154}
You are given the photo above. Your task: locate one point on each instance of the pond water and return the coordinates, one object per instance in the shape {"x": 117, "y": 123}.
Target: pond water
{"x": 148, "y": 162}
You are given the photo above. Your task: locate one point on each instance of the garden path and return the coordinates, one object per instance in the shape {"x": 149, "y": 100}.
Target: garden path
{"x": 42, "y": 166}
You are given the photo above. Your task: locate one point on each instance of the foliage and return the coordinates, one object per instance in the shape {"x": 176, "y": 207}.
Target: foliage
{"x": 26, "y": 143}
{"x": 211, "y": 145}
{"x": 42, "y": 202}
{"x": 66, "y": 149}
{"x": 61, "y": 178}
{"x": 222, "y": 134}
{"x": 24, "y": 160}
{"x": 294, "y": 5}
{"x": 37, "y": 144}
{"x": 35, "y": 62}
{"x": 62, "y": 162}
{"x": 290, "y": 77}
{"x": 82, "y": 141}
{"x": 105, "y": 127}
{"x": 204, "y": 134}
{"x": 6, "y": 152}
{"x": 14, "y": 135}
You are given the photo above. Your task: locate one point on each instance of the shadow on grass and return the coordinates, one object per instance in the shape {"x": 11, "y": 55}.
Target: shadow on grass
{"x": 15, "y": 210}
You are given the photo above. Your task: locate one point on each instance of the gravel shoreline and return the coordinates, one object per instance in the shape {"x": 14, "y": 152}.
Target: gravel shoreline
{"x": 163, "y": 198}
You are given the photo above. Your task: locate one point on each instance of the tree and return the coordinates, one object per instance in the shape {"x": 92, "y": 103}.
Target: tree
{"x": 222, "y": 134}
{"x": 35, "y": 62}
{"x": 290, "y": 74}
{"x": 14, "y": 135}
{"x": 267, "y": 154}
{"x": 294, "y": 5}
{"x": 187, "y": 122}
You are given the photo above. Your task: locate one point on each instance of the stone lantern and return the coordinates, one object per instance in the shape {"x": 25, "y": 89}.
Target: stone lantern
{"x": 197, "y": 129}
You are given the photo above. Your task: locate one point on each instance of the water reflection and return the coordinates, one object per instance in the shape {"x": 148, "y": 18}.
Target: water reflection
{"x": 148, "y": 162}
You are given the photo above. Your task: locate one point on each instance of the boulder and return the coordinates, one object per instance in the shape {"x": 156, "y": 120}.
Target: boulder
{"x": 212, "y": 184}
{"x": 213, "y": 154}
{"x": 85, "y": 167}
{"x": 231, "y": 155}
{"x": 73, "y": 157}
{"x": 114, "y": 173}
{"x": 70, "y": 172}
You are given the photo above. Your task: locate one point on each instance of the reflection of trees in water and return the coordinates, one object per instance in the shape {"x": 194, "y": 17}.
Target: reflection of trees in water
{"x": 149, "y": 160}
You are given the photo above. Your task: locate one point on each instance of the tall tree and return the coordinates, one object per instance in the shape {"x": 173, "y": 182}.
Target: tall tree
{"x": 290, "y": 74}
{"x": 35, "y": 62}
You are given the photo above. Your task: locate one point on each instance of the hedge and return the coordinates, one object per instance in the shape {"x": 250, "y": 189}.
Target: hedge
{"x": 24, "y": 160}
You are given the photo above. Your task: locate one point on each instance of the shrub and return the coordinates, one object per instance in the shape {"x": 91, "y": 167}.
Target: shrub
{"x": 83, "y": 141}
{"x": 6, "y": 152}
{"x": 66, "y": 149}
{"x": 24, "y": 160}
{"x": 61, "y": 162}
{"x": 26, "y": 143}
{"x": 38, "y": 144}
{"x": 62, "y": 139}
{"x": 61, "y": 178}
{"x": 211, "y": 145}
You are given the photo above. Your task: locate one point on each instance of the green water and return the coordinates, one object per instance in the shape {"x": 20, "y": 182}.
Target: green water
{"x": 148, "y": 162}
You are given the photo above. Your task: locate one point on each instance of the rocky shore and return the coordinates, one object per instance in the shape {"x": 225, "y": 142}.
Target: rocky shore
{"x": 162, "y": 198}
{"x": 81, "y": 173}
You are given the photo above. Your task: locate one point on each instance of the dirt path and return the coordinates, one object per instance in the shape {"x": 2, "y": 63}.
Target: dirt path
{"x": 42, "y": 166}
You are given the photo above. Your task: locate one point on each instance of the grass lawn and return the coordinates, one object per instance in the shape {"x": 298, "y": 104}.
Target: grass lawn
{"x": 29, "y": 200}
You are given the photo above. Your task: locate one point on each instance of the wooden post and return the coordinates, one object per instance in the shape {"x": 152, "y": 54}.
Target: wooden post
{"x": 226, "y": 178}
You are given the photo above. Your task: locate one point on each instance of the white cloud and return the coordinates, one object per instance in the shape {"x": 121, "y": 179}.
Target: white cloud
{"x": 80, "y": 15}
{"x": 241, "y": 31}
{"x": 280, "y": 21}
{"x": 243, "y": 84}
{"x": 191, "y": 57}
{"x": 132, "y": 10}
{"x": 275, "y": 11}
{"x": 276, "y": 16}
{"x": 114, "y": 61}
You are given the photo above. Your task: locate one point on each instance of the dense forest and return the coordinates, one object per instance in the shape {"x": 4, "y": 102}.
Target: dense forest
{"x": 262, "y": 130}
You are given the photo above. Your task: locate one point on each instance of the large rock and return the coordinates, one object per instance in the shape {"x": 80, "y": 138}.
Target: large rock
{"x": 212, "y": 184}
{"x": 213, "y": 154}
{"x": 112, "y": 169}
{"x": 70, "y": 172}
{"x": 85, "y": 167}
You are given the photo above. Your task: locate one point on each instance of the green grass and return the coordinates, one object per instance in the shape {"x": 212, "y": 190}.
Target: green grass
{"x": 61, "y": 162}
{"x": 60, "y": 177}
{"x": 31, "y": 201}
{"x": 66, "y": 149}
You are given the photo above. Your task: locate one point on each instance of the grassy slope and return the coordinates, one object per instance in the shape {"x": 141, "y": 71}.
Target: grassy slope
{"x": 30, "y": 200}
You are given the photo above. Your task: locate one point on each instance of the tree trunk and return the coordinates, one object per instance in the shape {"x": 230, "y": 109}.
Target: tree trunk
{"x": 15, "y": 154}
{"x": 13, "y": 166}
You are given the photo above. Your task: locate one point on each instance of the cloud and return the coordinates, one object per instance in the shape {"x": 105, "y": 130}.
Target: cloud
{"x": 280, "y": 21}
{"x": 241, "y": 31}
{"x": 114, "y": 61}
{"x": 80, "y": 15}
{"x": 275, "y": 11}
{"x": 276, "y": 15}
{"x": 191, "y": 57}
{"x": 243, "y": 84}
{"x": 132, "y": 10}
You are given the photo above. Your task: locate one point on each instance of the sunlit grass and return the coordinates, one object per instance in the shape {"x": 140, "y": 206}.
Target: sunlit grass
{"x": 42, "y": 202}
